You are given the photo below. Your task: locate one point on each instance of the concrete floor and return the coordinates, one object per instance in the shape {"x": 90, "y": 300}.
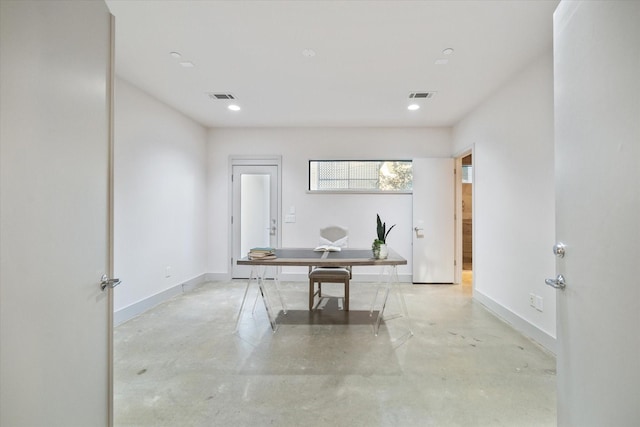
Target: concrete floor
{"x": 180, "y": 364}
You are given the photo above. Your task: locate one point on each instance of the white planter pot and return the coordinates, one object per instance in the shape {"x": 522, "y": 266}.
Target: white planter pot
{"x": 384, "y": 252}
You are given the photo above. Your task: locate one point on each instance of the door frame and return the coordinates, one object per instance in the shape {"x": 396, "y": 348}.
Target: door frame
{"x": 110, "y": 218}
{"x": 458, "y": 213}
{"x": 248, "y": 160}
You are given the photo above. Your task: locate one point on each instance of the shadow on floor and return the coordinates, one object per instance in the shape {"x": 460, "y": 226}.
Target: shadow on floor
{"x": 331, "y": 314}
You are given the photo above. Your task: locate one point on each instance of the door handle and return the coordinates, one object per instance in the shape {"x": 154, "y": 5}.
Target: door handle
{"x": 416, "y": 229}
{"x": 557, "y": 283}
{"x": 105, "y": 281}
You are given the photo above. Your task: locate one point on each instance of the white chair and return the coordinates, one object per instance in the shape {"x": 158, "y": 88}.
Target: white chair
{"x": 333, "y": 236}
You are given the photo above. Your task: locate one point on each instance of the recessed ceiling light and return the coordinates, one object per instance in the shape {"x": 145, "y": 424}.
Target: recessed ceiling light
{"x": 308, "y": 53}
{"x": 175, "y": 54}
{"x": 413, "y": 107}
{"x": 448, "y": 51}
{"x": 234, "y": 107}
{"x": 442, "y": 61}
{"x": 187, "y": 64}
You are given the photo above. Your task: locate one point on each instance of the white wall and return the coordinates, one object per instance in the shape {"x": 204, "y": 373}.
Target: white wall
{"x": 512, "y": 133}
{"x": 160, "y": 196}
{"x": 313, "y": 211}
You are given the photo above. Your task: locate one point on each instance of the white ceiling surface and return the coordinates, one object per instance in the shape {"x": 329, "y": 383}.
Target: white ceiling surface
{"x": 369, "y": 56}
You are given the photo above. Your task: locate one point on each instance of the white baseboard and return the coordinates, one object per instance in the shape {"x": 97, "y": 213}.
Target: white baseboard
{"x": 137, "y": 308}
{"x": 518, "y": 323}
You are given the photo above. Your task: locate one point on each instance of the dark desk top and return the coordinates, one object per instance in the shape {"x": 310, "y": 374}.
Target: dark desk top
{"x": 309, "y": 257}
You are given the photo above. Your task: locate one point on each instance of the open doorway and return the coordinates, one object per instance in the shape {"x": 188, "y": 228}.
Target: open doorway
{"x": 467, "y": 219}
{"x": 464, "y": 220}
{"x": 467, "y": 213}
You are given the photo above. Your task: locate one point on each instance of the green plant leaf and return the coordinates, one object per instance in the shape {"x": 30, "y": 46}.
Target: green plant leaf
{"x": 388, "y": 231}
{"x": 381, "y": 229}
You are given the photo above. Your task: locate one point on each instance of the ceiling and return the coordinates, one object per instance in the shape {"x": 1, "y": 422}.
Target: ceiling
{"x": 369, "y": 56}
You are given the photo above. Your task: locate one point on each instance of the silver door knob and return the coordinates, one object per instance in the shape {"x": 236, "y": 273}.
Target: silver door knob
{"x": 106, "y": 282}
{"x": 559, "y": 249}
{"x": 558, "y": 282}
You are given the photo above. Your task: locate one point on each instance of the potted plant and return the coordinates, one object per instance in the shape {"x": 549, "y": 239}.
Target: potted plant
{"x": 379, "y": 246}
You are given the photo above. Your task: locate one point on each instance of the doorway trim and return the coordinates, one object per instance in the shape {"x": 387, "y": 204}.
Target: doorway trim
{"x": 110, "y": 218}
{"x": 458, "y": 213}
{"x": 249, "y": 160}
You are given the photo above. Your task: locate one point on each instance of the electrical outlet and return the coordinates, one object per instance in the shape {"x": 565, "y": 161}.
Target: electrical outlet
{"x": 167, "y": 272}
{"x": 532, "y": 300}
{"x": 539, "y": 303}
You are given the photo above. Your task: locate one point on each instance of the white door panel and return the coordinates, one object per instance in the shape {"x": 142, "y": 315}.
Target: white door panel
{"x": 55, "y": 209}
{"x": 597, "y": 137}
{"x": 433, "y": 220}
{"x": 255, "y": 211}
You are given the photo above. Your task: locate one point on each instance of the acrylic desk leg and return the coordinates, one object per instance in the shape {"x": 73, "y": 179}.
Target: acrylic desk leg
{"x": 244, "y": 298}
{"x": 255, "y": 301}
{"x": 384, "y": 300}
{"x": 373, "y": 301}
{"x": 276, "y": 281}
{"x": 258, "y": 276}
{"x": 403, "y": 305}
{"x": 393, "y": 284}
{"x": 375, "y": 297}
{"x": 379, "y": 318}
{"x": 267, "y": 305}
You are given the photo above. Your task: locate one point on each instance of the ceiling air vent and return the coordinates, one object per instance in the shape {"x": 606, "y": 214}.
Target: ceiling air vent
{"x": 214, "y": 95}
{"x": 421, "y": 95}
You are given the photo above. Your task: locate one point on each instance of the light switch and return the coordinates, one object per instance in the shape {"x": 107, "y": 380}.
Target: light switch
{"x": 290, "y": 218}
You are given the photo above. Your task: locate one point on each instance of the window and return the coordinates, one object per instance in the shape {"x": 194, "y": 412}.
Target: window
{"x": 360, "y": 175}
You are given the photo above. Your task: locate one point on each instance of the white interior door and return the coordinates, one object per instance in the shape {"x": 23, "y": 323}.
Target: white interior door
{"x": 255, "y": 221}
{"x": 433, "y": 220}
{"x": 55, "y": 326}
{"x": 597, "y": 137}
